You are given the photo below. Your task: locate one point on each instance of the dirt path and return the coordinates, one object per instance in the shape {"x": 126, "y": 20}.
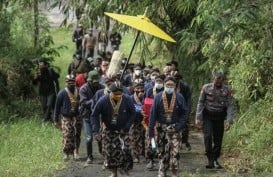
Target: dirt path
{"x": 191, "y": 163}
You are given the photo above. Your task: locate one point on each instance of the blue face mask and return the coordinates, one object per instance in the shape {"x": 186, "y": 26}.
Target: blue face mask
{"x": 169, "y": 90}
{"x": 158, "y": 86}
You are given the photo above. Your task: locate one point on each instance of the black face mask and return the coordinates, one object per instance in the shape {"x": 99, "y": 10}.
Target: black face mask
{"x": 71, "y": 88}
{"x": 140, "y": 94}
{"x": 43, "y": 71}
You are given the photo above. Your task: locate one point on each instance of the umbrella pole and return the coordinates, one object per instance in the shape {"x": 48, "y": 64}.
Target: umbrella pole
{"x": 131, "y": 52}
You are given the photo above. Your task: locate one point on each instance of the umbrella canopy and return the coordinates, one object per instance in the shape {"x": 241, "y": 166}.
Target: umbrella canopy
{"x": 141, "y": 23}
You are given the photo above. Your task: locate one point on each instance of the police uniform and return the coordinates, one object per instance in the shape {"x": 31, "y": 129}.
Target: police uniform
{"x": 215, "y": 104}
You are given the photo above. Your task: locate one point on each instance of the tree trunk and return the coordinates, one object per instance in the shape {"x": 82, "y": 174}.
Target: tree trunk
{"x": 36, "y": 23}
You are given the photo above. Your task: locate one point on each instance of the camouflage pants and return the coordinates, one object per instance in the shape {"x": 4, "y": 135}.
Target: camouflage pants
{"x": 71, "y": 129}
{"x": 136, "y": 137}
{"x": 116, "y": 151}
{"x": 168, "y": 152}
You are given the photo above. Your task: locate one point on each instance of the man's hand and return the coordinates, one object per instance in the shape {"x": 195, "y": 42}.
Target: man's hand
{"x": 227, "y": 126}
{"x": 97, "y": 137}
{"x": 198, "y": 123}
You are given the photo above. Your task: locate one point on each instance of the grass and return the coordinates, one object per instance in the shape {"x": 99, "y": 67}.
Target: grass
{"x": 63, "y": 37}
{"x": 29, "y": 148}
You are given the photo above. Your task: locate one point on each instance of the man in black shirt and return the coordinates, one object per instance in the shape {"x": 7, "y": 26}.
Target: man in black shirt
{"x": 115, "y": 39}
{"x": 48, "y": 82}
{"x": 78, "y": 36}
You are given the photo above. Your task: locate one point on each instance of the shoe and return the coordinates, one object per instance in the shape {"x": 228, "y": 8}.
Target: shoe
{"x": 76, "y": 157}
{"x": 217, "y": 164}
{"x": 210, "y": 165}
{"x": 188, "y": 146}
{"x": 161, "y": 174}
{"x": 150, "y": 165}
{"x": 89, "y": 160}
{"x": 113, "y": 173}
{"x": 136, "y": 160}
{"x": 174, "y": 173}
{"x": 66, "y": 158}
{"x": 126, "y": 174}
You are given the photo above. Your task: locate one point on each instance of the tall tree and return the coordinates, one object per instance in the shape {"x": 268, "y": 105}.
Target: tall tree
{"x": 36, "y": 22}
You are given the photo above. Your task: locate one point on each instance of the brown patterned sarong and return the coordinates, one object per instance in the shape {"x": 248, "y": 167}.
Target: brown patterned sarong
{"x": 78, "y": 130}
{"x": 116, "y": 151}
{"x": 137, "y": 136}
{"x": 68, "y": 130}
{"x": 169, "y": 152}
{"x": 149, "y": 152}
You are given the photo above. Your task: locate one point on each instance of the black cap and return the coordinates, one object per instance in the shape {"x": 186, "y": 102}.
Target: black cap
{"x": 138, "y": 83}
{"x": 116, "y": 87}
{"x": 162, "y": 77}
{"x": 154, "y": 70}
{"x": 138, "y": 65}
{"x": 70, "y": 78}
{"x": 170, "y": 79}
{"x": 108, "y": 79}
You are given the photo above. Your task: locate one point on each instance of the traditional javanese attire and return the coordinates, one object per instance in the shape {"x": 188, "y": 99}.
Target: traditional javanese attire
{"x": 117, "y": 118}
{"x": 67, "y": 106}
{"x": 137, "y": 132}
{"x": 169, "y": 111}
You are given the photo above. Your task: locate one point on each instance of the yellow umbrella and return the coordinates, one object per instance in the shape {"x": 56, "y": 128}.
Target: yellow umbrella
{"x": 142, "y": 24}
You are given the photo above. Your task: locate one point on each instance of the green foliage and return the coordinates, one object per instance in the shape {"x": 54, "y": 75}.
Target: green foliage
{"x": 252, "y": 135}
{"x": 29, "y": 149}
{"x": 5, "y": 25}
{"x": 18, "y": 54}
{"x": 233, "y": 40}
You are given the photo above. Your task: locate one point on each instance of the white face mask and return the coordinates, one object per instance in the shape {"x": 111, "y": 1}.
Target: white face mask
{"x": 137, "y": 72}
{"x": 153, "y": 78}
{"x": 169, "y": 90}
{"x": 158, "y": 86}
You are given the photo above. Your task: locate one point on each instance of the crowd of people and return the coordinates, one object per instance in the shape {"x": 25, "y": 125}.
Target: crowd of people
{"x": 145, "y": 113}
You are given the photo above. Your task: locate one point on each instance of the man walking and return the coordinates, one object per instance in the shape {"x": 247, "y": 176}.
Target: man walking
{"x": 48, "y": 82}
{"x": 86, "y": 92}
{"x": 88, "y": 44}
{"x": 169, "y": 111}
{"x": 215, "y": 104}
{"x": 117, "y": 114}
{"x": 78, "y": 36}
{"x": 67, "y": 106}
